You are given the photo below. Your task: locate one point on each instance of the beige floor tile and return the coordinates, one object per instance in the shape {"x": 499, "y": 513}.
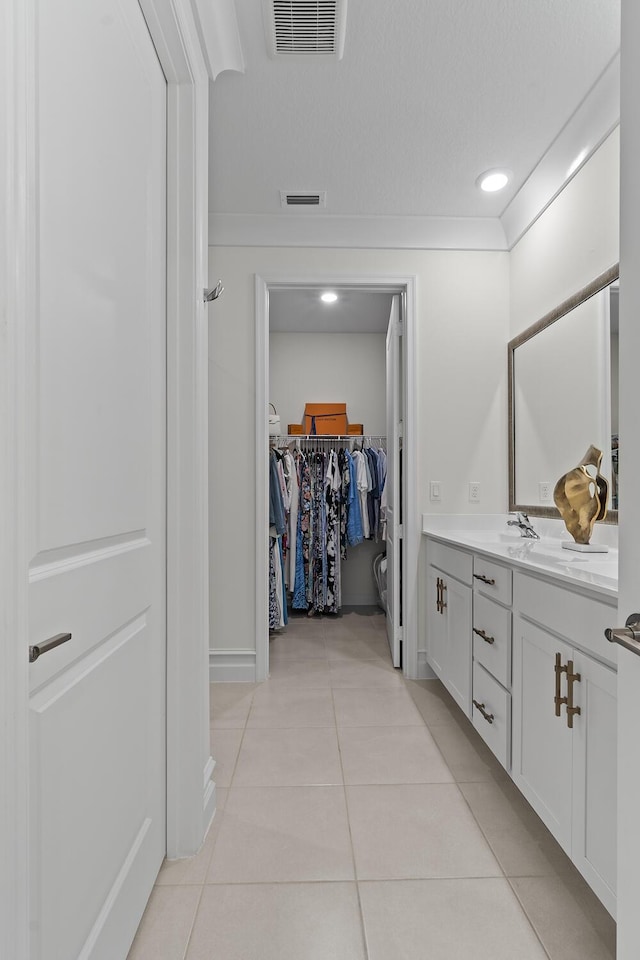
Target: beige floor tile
{"x": 229, "y": 704}
{"x": 569, "y": 919}
{"x": 307, "y": 673}
{"x": 364, "y": 673}
{"x": 353, "y": 646}
{"x": 520, "y": 841}
{"x": 299, "y": 921}
{"x": 291, "y": 706}
{"x": 225, "y": 744}
{"x": 166, "y": 925}
{"x": 292, "y": 646}
{"x": 289, "y": 758}
{"x": 446, "y": 920}
{"x": 391, "y": 755}
{"x": 276, "y": 834}
{"x": 193, "y": 870}
{"x": 466, "y": 754}
{"x": 376, "y": 707}
{"x": 432, "y": 700}
{"x": 416, "y": 831}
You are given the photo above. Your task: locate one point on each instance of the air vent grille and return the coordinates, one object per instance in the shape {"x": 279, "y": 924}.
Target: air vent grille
{"x": 317, "y": 198}
{"x": 306, "y": 28}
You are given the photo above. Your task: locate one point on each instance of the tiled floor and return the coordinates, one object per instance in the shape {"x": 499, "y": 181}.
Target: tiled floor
{"x": 360, "y": 817}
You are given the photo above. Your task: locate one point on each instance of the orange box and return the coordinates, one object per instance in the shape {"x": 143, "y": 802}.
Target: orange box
{"x": 294, "y": 429}
{"x": 355, "y": 429}
{"x": 325, "y": 418}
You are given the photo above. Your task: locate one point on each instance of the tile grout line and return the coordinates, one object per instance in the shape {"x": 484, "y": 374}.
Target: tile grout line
{"x": 523, "y": 908}
{"x": 363, "y": 930}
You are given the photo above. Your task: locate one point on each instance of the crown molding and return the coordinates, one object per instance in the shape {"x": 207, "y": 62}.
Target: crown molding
{"x": 297, "y": 229}
{"x": 217, "y": 26}
{"x": 587, "y": 129}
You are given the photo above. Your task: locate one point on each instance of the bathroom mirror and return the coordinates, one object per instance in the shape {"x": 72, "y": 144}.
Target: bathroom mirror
{"x": 563, "y": 397}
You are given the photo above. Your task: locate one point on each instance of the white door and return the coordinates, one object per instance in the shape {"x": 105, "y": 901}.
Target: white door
{"x": 628, "y": 913}
{"x": 97, "y": 481}
{"x": 393, "y": 482}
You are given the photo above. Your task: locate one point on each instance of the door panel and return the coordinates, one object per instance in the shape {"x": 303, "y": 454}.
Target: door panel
{"x": 393, "y": 540}
{"x": 97, "y": 481}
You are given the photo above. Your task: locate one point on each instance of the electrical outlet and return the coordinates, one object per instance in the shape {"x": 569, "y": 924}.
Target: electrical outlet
{"x": 474, "y": 491}
{"x": 544, "y": 491}
{"x": 434, "y": 490}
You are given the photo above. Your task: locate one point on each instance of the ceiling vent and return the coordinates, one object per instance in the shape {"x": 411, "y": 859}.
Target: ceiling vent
{"x": 305, "y": 28}
{"x": 305, "y": 201}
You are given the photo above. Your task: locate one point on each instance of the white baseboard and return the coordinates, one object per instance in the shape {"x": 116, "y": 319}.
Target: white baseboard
{"x": 424, "y": 670}
{"x": 232, "y": 666}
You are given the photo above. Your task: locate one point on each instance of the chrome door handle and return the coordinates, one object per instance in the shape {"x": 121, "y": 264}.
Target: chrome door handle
{"x": 627, "y": 636}
{"x": 46, "y": 645}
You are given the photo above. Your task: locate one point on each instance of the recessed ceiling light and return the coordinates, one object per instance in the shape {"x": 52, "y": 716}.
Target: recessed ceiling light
{"x": 329, "y": 297}
{"x": 492, "y": 180}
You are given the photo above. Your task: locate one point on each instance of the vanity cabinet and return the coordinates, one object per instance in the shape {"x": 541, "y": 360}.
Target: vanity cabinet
{"x": 449, "y": 620}
{"x": 491, "y": 627}
{"x": 565, "y": 724}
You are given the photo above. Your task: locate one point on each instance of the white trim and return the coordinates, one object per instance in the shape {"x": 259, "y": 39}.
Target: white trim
{"x": 235, "y": 666}
{"x": 425, "y": 672}
{"x": 219, "y": 35}
{"x": 596, "y": 117}
{"x": 189, "y": 806}
{"x": 17, "y": 245}
{"x": 298, "y": 228}
{"x": 405, "y": 285}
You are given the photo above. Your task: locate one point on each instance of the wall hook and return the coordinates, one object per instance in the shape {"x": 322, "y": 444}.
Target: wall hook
{"x": 214, "y": 292}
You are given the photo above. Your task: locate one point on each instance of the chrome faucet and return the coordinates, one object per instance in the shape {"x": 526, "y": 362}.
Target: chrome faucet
{"x": 526, "y": 530}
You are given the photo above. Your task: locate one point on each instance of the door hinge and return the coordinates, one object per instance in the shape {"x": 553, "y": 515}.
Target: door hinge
{"x": 400, "y": 531}
{"x": 400, "y": 429}
{"x": 400, "y": 328}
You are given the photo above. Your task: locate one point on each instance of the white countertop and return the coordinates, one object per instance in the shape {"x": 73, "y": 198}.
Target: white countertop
{"x": 490, "y": 536}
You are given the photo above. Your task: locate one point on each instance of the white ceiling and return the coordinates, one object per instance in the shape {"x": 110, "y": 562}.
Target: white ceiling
{"x": 429, "y": 94}
{"x": 301, "y": 311}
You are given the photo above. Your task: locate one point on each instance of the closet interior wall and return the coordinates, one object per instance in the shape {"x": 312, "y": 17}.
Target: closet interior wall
{"x": 308, "y": 367}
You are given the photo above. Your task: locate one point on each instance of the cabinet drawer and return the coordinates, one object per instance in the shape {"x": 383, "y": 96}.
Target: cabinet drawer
{"x": 495, "y": 727}
{"x": 457, "y": 563}
{"x": 492, "y": 638}
{"x": 492, "y": 579}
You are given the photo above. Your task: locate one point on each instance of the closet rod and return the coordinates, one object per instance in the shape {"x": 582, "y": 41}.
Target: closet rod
{"x": 329, "y": 436}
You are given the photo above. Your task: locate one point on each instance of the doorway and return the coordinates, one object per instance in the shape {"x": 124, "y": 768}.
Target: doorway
{"x": 272, "y": 291}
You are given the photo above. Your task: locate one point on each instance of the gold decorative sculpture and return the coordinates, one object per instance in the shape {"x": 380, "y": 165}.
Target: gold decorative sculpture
{"x": 581, "y": 497}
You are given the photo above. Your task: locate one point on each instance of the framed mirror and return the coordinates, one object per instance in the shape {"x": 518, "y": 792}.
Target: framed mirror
{"x": 563, "y": 397}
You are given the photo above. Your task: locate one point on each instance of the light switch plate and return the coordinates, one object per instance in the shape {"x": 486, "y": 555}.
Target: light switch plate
{"x": 434, "y": 490}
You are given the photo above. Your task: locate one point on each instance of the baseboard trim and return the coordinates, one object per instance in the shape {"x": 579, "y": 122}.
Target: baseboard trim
{"x": 424, "y": 670}
{"x": 232, "y": 666}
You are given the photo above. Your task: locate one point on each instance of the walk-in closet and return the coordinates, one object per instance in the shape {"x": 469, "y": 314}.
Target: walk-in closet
{"x": 328, "y": 550}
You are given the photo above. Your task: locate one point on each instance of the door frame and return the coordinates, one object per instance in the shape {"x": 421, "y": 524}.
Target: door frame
{"x": 384, "y": 284}
{"x": 190, "y": 794}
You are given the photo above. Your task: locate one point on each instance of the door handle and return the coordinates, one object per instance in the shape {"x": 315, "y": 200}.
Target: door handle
{"x": 46, "y": 645}
{"x": 627, "y": 636}
{"x": 558, "y": 699}
{"x": 485, "y": 636}
{"x": 571, "y": 679}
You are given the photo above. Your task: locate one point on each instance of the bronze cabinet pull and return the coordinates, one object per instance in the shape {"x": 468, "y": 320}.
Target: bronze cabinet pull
{"x": 481, "y": 576}
{"x": 571, "y": 679}
{"x": 485, "y": 636}
{"x": 443, "y": 587}
{"x": 489, "y": 717}
{"x": 46, "y": 645}
{"x": 559, "y": 670}
{"x": 438, "y": 595}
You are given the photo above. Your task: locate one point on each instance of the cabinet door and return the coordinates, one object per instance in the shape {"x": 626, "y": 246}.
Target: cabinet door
{"x": 542, "y": 742}
{"x": 436, "y": 625}
{"x": 595, "y": 777}
{"x": 457, "y": 614}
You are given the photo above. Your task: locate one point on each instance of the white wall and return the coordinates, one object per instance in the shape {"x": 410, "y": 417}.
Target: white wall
{"x": 329, "y": 367}
{"x": 462, "y": 318}
{"x": 345, "y": 368}
{"x": 572, "y": 242}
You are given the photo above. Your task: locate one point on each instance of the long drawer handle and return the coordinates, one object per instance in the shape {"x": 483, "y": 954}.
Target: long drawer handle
{"x": 559, "y": 670}
{"x": 46, "y": 645}
{"x": 571, "y": 679}
{"x": 489, "y": 717}
{"x": 485, "y": 636}
{"x": 481, "y": 576}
